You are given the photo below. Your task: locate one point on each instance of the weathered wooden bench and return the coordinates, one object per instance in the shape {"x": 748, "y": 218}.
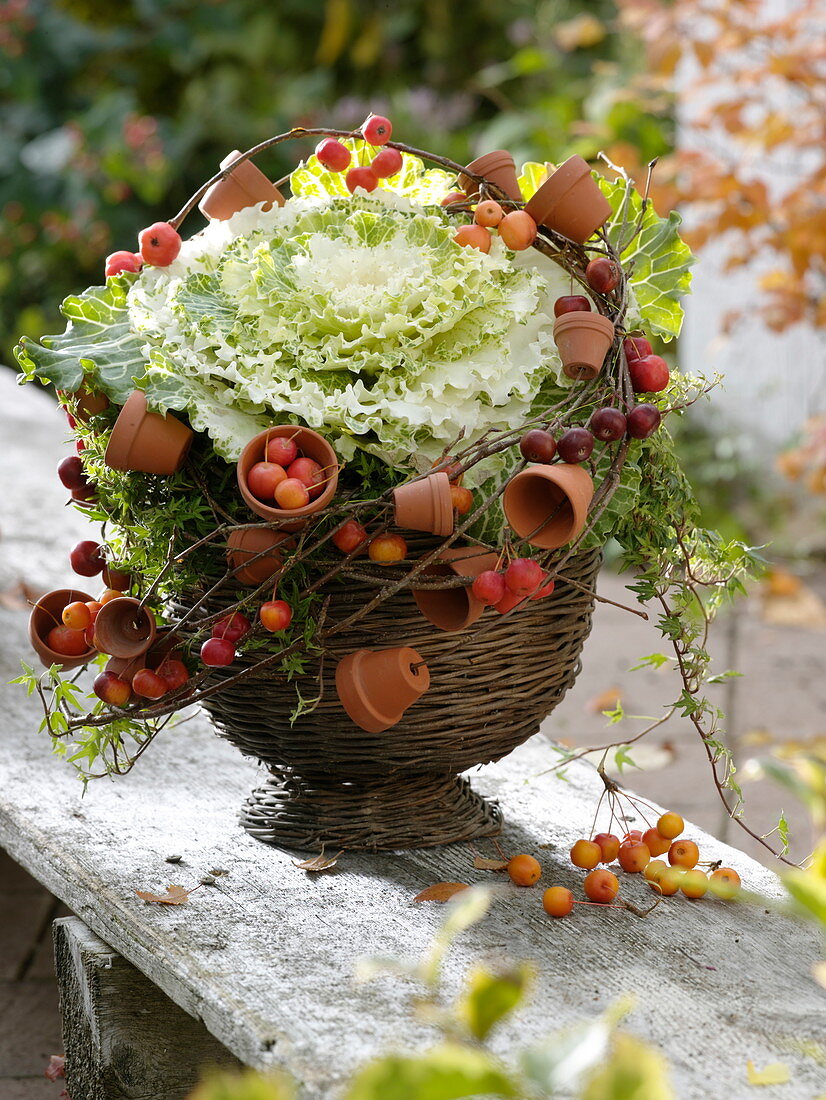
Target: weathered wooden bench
{"x": 259, "y": 966}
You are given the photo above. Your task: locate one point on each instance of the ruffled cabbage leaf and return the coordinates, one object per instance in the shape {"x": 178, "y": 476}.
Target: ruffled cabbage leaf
{"x": 98, "y": 345}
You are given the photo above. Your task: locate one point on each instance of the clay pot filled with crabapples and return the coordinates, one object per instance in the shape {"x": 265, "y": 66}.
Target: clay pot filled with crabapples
{"x": 499, "y": 168}
{"x": 145, "y": 441}
{"x": 425, "y": 505}
{"x": 376, "y": 687}
{"x": 246, "y": 185}
{"x": 55, "y": 641}
{"x": 453, "y": 609}
{"x": 570, "y": 202}
{"x": 286, "y": 474}
{"x": 547, "y": 505}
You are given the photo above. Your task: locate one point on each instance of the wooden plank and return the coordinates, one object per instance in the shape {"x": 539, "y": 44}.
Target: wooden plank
{"x": 122, "y": 1037}
{"x": 266, "y": 957}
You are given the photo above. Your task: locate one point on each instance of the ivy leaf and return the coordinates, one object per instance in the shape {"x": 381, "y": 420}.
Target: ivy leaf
{"x": 446, "y": 1072}
{"x": 490, "y": 997}
{"x": 657, "y": 258}
{"x": 808, "y": 888}
{"x": 98, "y": 345}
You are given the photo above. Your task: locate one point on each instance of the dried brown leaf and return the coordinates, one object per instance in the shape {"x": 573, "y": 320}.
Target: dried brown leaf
{"x": 441, "y": 891}
{"x": 175, "y": 895}
{"x": 319, "y": 863}
{"x": 606, "y": 700}
{"x": 481, "y": 863}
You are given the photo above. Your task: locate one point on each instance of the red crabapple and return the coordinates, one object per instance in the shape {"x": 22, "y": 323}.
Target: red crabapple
{"x": 332, "y": 155}
{"x": 523, "y": 576}
{"x": 376, "y": 130}
{"x": 537, "y": 445}
{"x": 571, "y": 303}
{"x": 275, "y": 615}
{"x": 159, "y": 244}
{"x": 489, "y": 587}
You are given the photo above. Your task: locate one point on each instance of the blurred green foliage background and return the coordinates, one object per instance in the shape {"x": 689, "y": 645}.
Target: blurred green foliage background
{"x": 111, "y": 114}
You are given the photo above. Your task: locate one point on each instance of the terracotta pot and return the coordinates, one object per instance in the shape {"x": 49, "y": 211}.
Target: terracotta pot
{"x": 425, "y": 505}
{"x": 498, "y": 167}
{"x": 45, "y": 615}
{"x": 123, "y": 631}
{"x": 570, "y": 202}
{"x": 454, "y": 608}
{"x": 311, "y": 445}
{"x": 376, "y": 686}
{"x": 243, "y": 546}
{"x": 162, "y": 647}
{"x": 245, "y": 186}
{"x": 559, "y": 495}
{"x": 146, "y": 441}
{"x": 88, "y": 404}
{"x": 582, "y": 340}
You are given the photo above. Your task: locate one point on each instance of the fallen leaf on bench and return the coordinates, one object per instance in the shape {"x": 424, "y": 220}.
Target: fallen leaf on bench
{"x": 777, "y": 1073}
{"x": 319, "y": 863}
{"x": 483, "y": 864}
{"x": 175, "y": 895}
{"x": 441, "y": 891}
{"x": 56, "y": 1067}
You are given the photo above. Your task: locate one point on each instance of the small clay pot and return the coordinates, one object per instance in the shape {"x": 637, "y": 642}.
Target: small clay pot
{"x": 570, "y": 202}
{"x": 146, "y": 441}
{"x": 244, "y": 545}
{"x": 162, "y": 647}
{"x": 88, "y": 404}
{"x": 582, "y": 340}
{"x": 376, "y": 686}
{"x": 499, "y": 168}
{"x": 122, "y": 630}
{"x": 245, "y": 186}
{"x": 45, "y": 615}
{"x": 425, "y": 505}
{"x": 548, "y": 504}
{"x": 311, "y": 445}
{"x": 454, "y": 608}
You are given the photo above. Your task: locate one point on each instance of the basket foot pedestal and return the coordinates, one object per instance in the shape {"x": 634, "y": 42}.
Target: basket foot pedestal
{"x": 412, "y": 810}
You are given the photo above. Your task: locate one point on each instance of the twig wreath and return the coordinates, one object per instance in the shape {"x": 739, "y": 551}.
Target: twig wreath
{"x": 407, "y": 364}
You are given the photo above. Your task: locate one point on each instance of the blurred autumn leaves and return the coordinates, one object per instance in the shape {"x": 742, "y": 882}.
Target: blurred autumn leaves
{"x": 110, "y": 114}
{"x": 753, "y": 100}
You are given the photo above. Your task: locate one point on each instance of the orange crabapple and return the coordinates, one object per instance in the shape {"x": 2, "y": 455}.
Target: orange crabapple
{"x": 654, "y": 870}
{"x": 608, "y": 845}
{"x": 694, "y": 883}
{"x": 586, "y": 854}
{"x": 557, "y": 901}
{"x": 724, "y": 882}
{"x": 77, "y": 616}
{"x": 461, "y": 499}
{"x": 658, "y": 845}
{"x": 670, "y": 825}
{"x": 524, "y": 870}
{"x": 634, "y": 856}
{"x": 601, "y": 886}
{"x": 473, "y": 236}
{"x": 683, "y": 853}
{"x": 387, "y": 549}
{"x": 668, "y": 882}
{"x": 488, "y": 213}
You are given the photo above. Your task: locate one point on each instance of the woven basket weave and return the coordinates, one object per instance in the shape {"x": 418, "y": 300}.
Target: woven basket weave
{"x": 335, "y": 786}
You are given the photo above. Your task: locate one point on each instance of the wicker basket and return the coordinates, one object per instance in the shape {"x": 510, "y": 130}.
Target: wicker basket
{"x": 335, "y": 786}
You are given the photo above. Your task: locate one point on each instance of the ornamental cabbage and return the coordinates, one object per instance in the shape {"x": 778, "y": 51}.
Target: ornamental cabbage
{"x": 359, "y": 316}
